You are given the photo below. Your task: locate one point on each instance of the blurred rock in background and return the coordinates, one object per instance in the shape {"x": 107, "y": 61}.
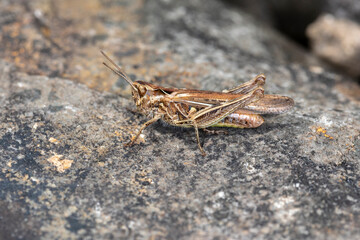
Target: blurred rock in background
{"x": 330, "y": 28}
{"x": 337, "y": 40}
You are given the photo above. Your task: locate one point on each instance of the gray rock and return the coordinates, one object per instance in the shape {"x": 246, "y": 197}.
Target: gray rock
{"x": 65, "y": 172}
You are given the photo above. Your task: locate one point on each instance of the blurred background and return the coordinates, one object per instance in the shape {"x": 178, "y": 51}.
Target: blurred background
{"x": 328, "y": 28}
{"x": 63, "y": 38}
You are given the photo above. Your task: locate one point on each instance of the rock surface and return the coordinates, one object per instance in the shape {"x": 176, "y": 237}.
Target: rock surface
{"x": 65, "y": 172}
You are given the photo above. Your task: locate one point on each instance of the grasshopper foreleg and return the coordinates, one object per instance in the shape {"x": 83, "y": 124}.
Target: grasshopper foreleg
{"x": 151, "y": 121}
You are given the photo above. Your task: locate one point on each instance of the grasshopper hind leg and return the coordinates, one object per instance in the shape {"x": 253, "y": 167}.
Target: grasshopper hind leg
{"x": 249, "y": 86}
{"x": 198, "y": 140}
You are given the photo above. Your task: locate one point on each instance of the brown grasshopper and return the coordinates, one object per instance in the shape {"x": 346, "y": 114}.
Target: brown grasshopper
{"x": 238, "y": 107}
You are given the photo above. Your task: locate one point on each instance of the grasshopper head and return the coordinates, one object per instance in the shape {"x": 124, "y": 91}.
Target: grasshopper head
{"x": 144, "y": 96}
{"x": 138, "y": 93}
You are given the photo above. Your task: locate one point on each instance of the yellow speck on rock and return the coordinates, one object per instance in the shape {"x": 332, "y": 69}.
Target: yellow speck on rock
{"x": 101, "y": 164}
{"x": 9, "y": 164}
{"x": 61, "y": 165}
{"x": 26, "y": 177}
{"x": 53, "y": 140}
{"x": 321, "y": 130}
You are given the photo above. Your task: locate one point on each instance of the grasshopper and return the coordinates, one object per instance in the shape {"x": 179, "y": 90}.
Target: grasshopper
{"x": 238, "y": 107}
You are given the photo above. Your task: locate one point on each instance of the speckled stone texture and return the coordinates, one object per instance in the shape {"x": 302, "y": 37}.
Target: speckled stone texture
{"x": 65, "y": 173}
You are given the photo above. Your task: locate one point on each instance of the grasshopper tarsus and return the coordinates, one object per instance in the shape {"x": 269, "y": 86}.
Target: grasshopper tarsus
{"x": 203, "y": 153}
{"x": 238, "y": 107}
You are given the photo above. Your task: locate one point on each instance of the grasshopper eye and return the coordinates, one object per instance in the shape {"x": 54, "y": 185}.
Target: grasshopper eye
{"x": 142, "y": 90}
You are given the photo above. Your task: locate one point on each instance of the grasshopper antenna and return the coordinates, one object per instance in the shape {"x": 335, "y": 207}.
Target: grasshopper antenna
{"x": 117, "y": 69}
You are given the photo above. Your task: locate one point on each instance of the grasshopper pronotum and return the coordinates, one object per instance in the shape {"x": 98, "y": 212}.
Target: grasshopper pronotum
{"x": 238, "y": 107}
